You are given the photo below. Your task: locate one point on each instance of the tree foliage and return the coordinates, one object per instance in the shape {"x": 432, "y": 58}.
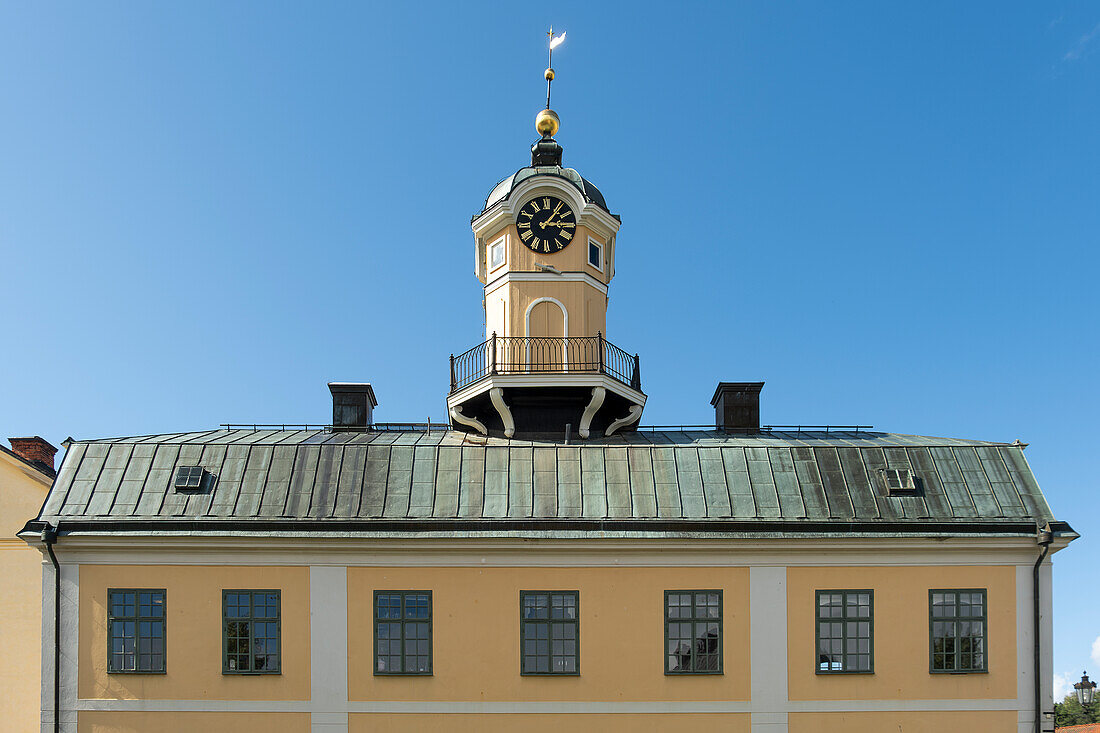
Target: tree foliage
{"x": 1070, "y": 712}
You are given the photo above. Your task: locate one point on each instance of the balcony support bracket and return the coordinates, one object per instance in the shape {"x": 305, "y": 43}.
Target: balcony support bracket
{"x": 473, "y": 422}
{"x": 496, "y": 394}
{"x": 594, "y": 405}
{"x": 634, "y": 415}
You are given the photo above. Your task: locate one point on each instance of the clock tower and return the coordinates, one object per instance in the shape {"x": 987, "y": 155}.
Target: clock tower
{"x": 544, "y": 249}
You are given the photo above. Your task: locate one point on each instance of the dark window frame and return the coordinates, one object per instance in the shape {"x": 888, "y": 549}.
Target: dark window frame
{"x": 250, "y": 620}
{"x": 692, "y": 620}
{"x": 403, "y": 621}
{"x": 984, "y": 618}
{"x": 844, "y": 620}
{"x": 137, "y": 619}
{"x": 549, "y": 621}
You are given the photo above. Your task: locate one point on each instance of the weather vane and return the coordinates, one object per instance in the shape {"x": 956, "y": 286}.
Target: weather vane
{"x": 554, "y": 43}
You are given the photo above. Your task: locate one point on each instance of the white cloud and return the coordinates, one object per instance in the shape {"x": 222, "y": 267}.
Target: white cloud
{"x": 1082, "y": 47}
{"x": 1096, "y": 651}
{"x": 1061, "y": 686}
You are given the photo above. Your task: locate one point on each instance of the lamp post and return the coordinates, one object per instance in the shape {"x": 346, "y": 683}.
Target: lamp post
{"x": 1085, "y": 689}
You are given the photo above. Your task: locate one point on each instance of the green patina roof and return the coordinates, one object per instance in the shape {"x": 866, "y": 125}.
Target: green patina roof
{"x": 827, "y": 479}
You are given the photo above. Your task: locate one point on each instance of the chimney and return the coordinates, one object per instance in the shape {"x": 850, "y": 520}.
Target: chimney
{"x": 36, "y": 450}
{"x": 353, "y": 405}
{"x": 737, "y": 406}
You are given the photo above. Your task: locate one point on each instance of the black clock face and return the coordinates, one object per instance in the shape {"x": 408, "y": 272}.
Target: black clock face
{"x": 546, "y": 225}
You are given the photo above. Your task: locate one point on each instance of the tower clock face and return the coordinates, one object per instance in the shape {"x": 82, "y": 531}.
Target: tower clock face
{"x": 546, "y": 225}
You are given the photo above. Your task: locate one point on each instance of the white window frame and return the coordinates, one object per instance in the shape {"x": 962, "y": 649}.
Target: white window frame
{"x": 503, "y": 243}
{"x": 588, "y": 253}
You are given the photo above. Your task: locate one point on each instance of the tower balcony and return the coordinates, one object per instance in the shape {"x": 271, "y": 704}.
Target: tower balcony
{"x": 545, "y": 385}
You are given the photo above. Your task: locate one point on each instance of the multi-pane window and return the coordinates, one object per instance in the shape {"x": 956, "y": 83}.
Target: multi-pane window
{"x": 548, "y": 632}
{"x": 402, "y": 632}
{"x": 957, "y": 632}
{"x": 693, "y": 631}
{"x": 135, "y": 628}
{"x": 845, "y": 637}
{"x": 252, "y": 631}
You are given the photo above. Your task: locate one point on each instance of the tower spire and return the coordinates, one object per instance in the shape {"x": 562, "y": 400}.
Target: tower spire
{"x": 547, "y": 151}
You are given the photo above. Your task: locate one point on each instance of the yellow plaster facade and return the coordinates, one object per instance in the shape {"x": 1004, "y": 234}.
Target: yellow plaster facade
{"x": 477, "y": 646}
{"x": 580, "y": 290}
{"x": 901, "y": 634}
{"x": 968, "y": 721}
{"x": 144, "y": 722}
{"x": 22, "y": 491}
{"x": 193, "y": 633}
{"x": 547, "y": 723}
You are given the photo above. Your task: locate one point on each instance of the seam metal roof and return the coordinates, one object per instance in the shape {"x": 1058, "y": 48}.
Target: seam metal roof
{"x": 701, "y": 476}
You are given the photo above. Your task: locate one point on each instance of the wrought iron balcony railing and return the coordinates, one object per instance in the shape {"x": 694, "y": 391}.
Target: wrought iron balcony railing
{"x": 544, "y": 355}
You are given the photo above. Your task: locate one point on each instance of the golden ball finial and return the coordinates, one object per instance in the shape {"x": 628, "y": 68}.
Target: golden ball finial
{"x": 549, "y": 75}
{"x": 547, "y": 123}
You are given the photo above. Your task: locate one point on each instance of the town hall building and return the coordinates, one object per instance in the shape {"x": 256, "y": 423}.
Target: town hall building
{"x": 543, "y": 562}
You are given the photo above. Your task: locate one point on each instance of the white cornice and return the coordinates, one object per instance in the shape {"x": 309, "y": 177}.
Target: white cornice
{"x": 543, "y": 277}
{"x": 426, "y": 550}
{"x": 542, "y": 379}
{"x": 504, "y": 212}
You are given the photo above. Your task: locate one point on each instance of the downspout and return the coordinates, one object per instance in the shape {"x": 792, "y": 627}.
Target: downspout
{"x": 49, "y": 537}
{"x": 1044, "y": 539}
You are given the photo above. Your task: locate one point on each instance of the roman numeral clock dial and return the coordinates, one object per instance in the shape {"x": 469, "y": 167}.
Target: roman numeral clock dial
{"x": 546, "y": 225}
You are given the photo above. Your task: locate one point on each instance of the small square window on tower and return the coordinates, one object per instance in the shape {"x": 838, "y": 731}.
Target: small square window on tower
{"x": 595, "y": 254}
{"x": 496, "y": 254}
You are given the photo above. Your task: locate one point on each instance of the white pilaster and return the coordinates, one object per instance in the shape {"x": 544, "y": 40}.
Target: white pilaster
{"x": 768, "y": 648}
{"x": 70, "y": 597}
{"x": 328, "y": 644}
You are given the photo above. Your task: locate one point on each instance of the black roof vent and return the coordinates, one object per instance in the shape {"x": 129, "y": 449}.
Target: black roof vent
{"x": 353, "y": 405}
{"x": 737, "y": 407}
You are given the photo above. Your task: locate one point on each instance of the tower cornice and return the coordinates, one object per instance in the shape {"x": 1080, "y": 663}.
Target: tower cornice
{"x": 504, "y": 211}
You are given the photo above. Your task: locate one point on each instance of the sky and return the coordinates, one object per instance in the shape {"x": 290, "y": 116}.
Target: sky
{"x": 888, "y": 212}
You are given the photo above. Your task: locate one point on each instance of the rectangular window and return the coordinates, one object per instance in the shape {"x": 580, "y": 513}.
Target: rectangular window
{"x": 402, "y": 632}
{"x": 957, "y": 621}
{"x": 595, "y": 254}
{"x": 496, "y": 254}
{"x": 252, "y": 631}
{"x": 693, "y": 631}
{"x": 549, "y": 636}
{"x": 901, "y": 482}
{"x": 845, "y": 631}
{"x": 135, "y": 627}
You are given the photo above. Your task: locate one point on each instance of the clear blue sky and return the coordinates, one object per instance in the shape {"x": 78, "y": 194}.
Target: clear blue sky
{"x": 889, "y": 212}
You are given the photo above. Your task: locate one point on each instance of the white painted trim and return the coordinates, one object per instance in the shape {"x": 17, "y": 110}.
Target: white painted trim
{"x": 527, "y": 319}
{"x": 70, "y": 641}
{"x": 502, "y": 241}
{"x": 564, "y": 707}
{"x": 598, "y": 395}
{"x": 429, "y": 549}
{"x": 524, "y": 277}
{"x": 1025, "y": 650}
{"x": 504, "y": 212}
{"x": 588, "y": 254}
{"x": 328, "y": 648}
{"x": 548, "y": 380}
{"x": 768, "y": 650}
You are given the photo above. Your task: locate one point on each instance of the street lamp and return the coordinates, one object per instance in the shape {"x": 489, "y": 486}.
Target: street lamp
{"x": 1086, "y": 689}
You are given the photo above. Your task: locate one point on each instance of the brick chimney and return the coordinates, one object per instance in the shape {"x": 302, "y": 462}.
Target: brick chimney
{"x": 36, "y": 450}
{"x": 737, "y": 406}
{"x": 353, "y": 405}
